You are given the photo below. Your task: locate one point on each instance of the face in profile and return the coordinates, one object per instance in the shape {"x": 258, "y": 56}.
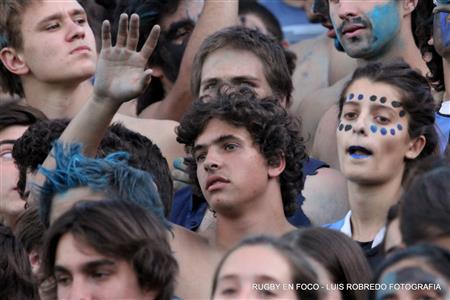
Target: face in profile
{"x": 428, "y": 283}
{"x": 83, "y": 273}
{"x": 366, "y": 28}
{"x": 372, "y": 135}
{"x": 441, "y": 29}
{"x": 254, "y": 272}
{"x": 10, "y": 201}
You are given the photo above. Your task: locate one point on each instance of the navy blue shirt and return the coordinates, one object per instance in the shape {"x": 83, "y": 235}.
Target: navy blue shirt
{"x": 188, "y": 209}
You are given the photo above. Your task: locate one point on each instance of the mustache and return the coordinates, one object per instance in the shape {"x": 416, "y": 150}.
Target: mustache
{"x": 358, "y": 21}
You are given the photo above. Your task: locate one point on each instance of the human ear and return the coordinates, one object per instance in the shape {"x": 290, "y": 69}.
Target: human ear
{"x": 13, "y": 61}
{"x": 409, "y": 6}
{"x": 415, "y": 147}
{"x": 276, "y": 166}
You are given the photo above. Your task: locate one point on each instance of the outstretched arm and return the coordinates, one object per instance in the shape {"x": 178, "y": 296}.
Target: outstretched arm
{"x": 120, "y": 77}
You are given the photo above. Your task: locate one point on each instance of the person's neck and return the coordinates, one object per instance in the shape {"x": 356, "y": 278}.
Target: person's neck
{"x": 370, "y": 205}
{"x": 446, "y": 66}
{"x": 57, "y": 100}
{"x": 265, "y": 216}
{"x": 402, "y": 47}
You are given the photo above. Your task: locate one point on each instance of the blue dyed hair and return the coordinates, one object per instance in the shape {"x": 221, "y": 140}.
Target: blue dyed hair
{"x": 110, "y": 175}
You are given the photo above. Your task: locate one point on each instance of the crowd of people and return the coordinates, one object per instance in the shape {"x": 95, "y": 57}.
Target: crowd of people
{"x": 184, "y": 149}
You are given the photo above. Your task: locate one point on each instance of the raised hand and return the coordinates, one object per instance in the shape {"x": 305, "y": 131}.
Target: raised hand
{"x": 121, "y": 70}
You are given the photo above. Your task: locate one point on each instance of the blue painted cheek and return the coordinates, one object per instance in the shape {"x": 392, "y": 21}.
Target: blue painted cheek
{"x": 385, "y": 20}
{"x": 445, "y": 28}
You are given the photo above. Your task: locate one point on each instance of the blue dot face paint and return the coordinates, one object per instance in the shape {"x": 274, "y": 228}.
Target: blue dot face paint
{"x": 441, "y": 30}
{"x": 396, "y": 104}
{"x": 401, "y": 113}
{"x": 399, "y": 127}
{"x": 347, "y": 127}
{"x": 360, "y": 97}
{"x": 341, "y": 126}
{"x": 383, "y": 100}
{"x": 373, "y": 98}
{"x": 383, "y": 131}
{"x": 392, "y": 131}
{"x": 373, "y": 128}
{"x": 380, "y": 26}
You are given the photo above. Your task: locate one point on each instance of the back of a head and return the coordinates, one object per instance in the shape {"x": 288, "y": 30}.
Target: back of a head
{"x": 265, "y": 15}
{"x": 15, "y": 114}
{"x": 16, "y": 282}
{"x": 111, "y": 176}
{"x": 425, "y": 204}
{"x": 341, "y": 256}
{"x": 264, "y": 47}
{"x": 119, "y": 230}
{"x": 270, "y": 126}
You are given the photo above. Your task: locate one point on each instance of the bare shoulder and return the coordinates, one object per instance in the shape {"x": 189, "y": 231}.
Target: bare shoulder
{"x": 161, "y": 132}
{"x": 325, "y": 196}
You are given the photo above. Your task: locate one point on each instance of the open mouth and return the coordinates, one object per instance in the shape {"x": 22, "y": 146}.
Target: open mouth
{"x": 358, "y": 152}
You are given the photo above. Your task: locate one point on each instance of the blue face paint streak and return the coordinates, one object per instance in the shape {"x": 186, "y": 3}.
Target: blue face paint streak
{"x": 392, "y": 131}
{"x": 399, "y": 127}
{"x": 385, "y": 20}
{"x": 383, "y": 131}
{"x": 360, "y": 97}
{"x": 351, "y": 96}
{"x": 373, "y": 128}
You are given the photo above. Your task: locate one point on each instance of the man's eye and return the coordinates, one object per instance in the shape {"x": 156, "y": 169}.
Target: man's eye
{"x": 230, "y": 147}
{"x": 63, "y": 280}
{"x": 7, "y": 155}
{"x": 200, "y": 157}
{"x": 228, "y": 291}
{"x": 80, "y": 21}
{"x": 100, "y": 274}
{"x": 52, "y": 27}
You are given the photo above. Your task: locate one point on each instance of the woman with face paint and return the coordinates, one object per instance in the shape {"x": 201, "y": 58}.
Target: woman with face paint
{"x": 419, "y": 272}
{"x": 386, "y": 124}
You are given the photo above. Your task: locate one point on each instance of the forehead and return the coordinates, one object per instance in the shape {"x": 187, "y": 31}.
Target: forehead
{"x": 229, "y": 62}
{"x": 367, "y": 89}
{"x": 12, "y": 132}
{"x": 257, "y": 260}
{"x": 217, "y": 128}
{"x": 72, "y": 250}
{"x": 41, "y": 9}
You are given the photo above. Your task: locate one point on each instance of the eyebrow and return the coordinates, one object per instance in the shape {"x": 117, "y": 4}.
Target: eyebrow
{"x": 86, "y": 268}
{"x": 218, "y": 140}
{"x": 7, "y": 142}
{"x": 56, "y": 16}
{"x": 376, "y": 105}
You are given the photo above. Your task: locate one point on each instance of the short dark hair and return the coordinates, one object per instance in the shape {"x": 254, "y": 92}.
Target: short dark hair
{"x": 303, "y": 271}
{"x": 120, "y": 230}
{"x": 264, "y": 47}
{"x": 272, "y": 129}
{"x": 29, "y": 229}
{"x": 10, "y": 36}
{"x": 415, "y": 97}
{"x": 425, "y": 204}
{"x": 270, "y": 21}
{"x": 16, "y": 280}
{"x": 15, "y": 114}
{"x": 342, "y": 257}
{"x": 33, "y": 147}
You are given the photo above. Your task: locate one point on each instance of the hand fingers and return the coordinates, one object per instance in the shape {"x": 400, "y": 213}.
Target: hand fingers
{"x": 133, "y": 35}
{"x": 123, "y": 31}
{"x": 151, "y": 42}
{"x": 106, "y": 34}
{"x": 178, "y": 163}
